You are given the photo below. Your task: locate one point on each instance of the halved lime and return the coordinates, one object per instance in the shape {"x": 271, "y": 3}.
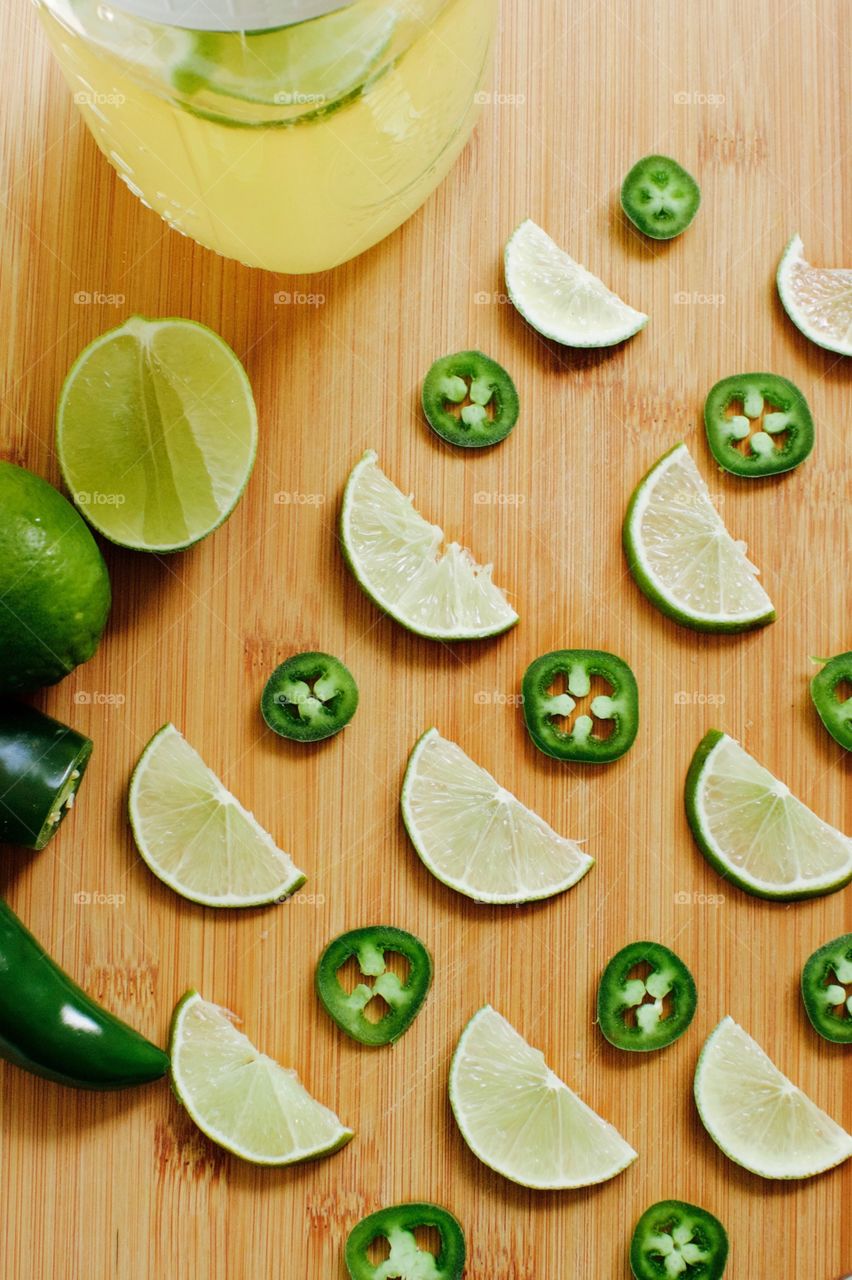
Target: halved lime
{"x": 239, "y": 1097}
{"x": 398, "y": 560}
{"x": 817, "y": 299}
{"x": 520, "y": 1119}
{"x": 156, "y": 433}
{"x": 473, "y": 834}
{"x": 683, "y": 557}
{"x": 196, "y": 837}
{"x": 560, "y": 298}
{"x": 758, "y": 1117}
{"x": 754, "y": 832}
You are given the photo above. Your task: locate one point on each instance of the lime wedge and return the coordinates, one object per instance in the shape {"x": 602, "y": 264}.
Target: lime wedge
{"x": 196, "y": 837}
{"x": 754, "y": 832}
{"x": 473, "y": 834}
{"x": 156, "y": 433}
{"x": 239, "y": 1097}
{"x": 683, "y": 557}
{"x": 817, "y": 299}
{"x": 758, "y": 1117}
{"x": 520, "y": 1119}
{"x": 560, "y": 298}
{"x": 398, "y": 560}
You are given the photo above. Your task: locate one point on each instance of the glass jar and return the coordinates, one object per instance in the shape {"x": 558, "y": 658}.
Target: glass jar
{"x": 293, "y": 147}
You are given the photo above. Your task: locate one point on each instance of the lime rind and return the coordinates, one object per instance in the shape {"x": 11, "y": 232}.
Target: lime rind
{"x": 756, "y": 1116}
{"x": 241, "y": 1099}
{"x": 475, "y": 836}
{"x": 783, "y": 827}
{"x": 222, "y": 857}
{"x": 817, "y": 299}
{"x": 402, "y": 563}
{"x": 520, "y": 1119}
{"x": 689, "y": 513}
{"x": 560, "y": 298}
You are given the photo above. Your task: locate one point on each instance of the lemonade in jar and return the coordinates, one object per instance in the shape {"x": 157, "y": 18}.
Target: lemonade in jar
{"x": 288, "y": 134}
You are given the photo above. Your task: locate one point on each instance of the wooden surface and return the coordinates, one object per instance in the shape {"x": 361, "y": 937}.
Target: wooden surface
{"x": 121, "y": 1186}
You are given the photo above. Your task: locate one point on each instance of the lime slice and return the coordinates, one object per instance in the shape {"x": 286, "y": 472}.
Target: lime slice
{"x": 156, "y": 433}
{"x": 196, "y": 837}
{"x": 683, "y": 557}
{"x": 520, "y": 1119}
{"x": 817, "y": 299}
{"x": 754, "y": 832}
{"x": 241, "y": 1098}
{"x": 758, "y": 1117}
{"x": 397, "y": 559}
{"x": 149, "y": 46}
{"x": 473, "y": 834}
{"x": 560, "y": 298}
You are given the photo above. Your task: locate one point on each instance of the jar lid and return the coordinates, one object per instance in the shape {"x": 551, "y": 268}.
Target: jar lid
{"x": 229, "y": 15}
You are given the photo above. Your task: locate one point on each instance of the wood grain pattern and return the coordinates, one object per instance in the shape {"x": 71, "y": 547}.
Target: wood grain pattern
{"x": 121, "y": 1186}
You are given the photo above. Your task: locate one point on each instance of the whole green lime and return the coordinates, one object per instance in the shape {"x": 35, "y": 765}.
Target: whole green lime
{"x": 54, "y": 587}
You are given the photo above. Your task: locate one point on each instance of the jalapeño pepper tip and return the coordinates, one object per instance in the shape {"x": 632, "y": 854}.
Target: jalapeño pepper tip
{"x": 42, "y": 763}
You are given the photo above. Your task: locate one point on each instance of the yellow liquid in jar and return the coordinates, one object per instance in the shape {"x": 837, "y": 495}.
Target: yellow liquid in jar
{"x": 303, "y": 196}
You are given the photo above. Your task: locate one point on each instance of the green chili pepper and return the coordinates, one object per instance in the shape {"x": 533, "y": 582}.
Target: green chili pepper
{"x": 622, "y": 997}
{"x": 835, "y": 712}
{"x": 42, "y": 763}
{"x": 469, "y": 376}
{"x": 674, "y": 1239}
{"x": 758, "y": 424}
{"x": 309, "y": 697}
{"x": 544, "y": 707}
{"x": 49, "y": 1026}
{"x": 660, "y": 197}
{"x": 397, "y": 1225}
{"x": 404, "y": 999}
{"x": 827, "y": 990}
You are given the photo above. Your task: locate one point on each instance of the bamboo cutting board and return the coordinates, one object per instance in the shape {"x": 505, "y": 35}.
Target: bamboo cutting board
{"x": 754, "y": 100}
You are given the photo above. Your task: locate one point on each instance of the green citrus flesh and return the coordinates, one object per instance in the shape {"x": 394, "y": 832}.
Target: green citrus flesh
{"x": 817, "y": 299}
{"x": 54, "y": 587}
{"x": 239, "y": 1097}
{"x": 156, "y": 433}
{"x": 758, "y": 1117}
{"x": 755, "y": 832}
{"x": 520, "y": 1119}
{"x": 196, "y": 837}
{"x": 401, "y": 562}
{"x": 475, "y": 836}
{"x": 682, "y": 556}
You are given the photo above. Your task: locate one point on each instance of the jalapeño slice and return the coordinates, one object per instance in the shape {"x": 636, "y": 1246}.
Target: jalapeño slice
{"x": 546, "y": 709}
{"x": 660, "y": 197}
{"x": 676, "y": 1239}
{"x": 478, "y": 384}
{"x": 631, "y": 1010}
{"x": 403, "y": 999}
{"x": 827, "y": 990}
{"x": 835, "y": 711}
{"x": 407, "y": 1261}
{"x": 309, "y": 697}
{"x": 758, "y": 424}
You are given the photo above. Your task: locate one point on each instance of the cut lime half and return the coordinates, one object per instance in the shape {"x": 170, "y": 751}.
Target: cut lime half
{"x": 240, "y": 1098}
{"x": 520, "y": 1119}
{"x": 817, "y": 299}
{"x": 755, "y": 832}
{"x": 156, "y": 433}
{"x": 758, "y": 1117}
{"x": 560, "y": 298}
{"x": 473, "y": 834}
{"x": 196, "y": 837}
{"x": 683, "y": 557}
{"x": 404, "y": 566}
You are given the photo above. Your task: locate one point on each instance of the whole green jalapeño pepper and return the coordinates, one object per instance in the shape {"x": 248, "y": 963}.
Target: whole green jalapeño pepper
{"x": 544, "y": 708}
{"x": 674, "y": 1239}
{"x": 397, "y": 1225}
{"x": 631, "y": 1010}
{"x": 41, "y": 766}
{"x": 49, "y": 1026}
{"x": 827, "y": 990}
{"x": 835, "y": 712}
{"x": 403, "y": 999}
